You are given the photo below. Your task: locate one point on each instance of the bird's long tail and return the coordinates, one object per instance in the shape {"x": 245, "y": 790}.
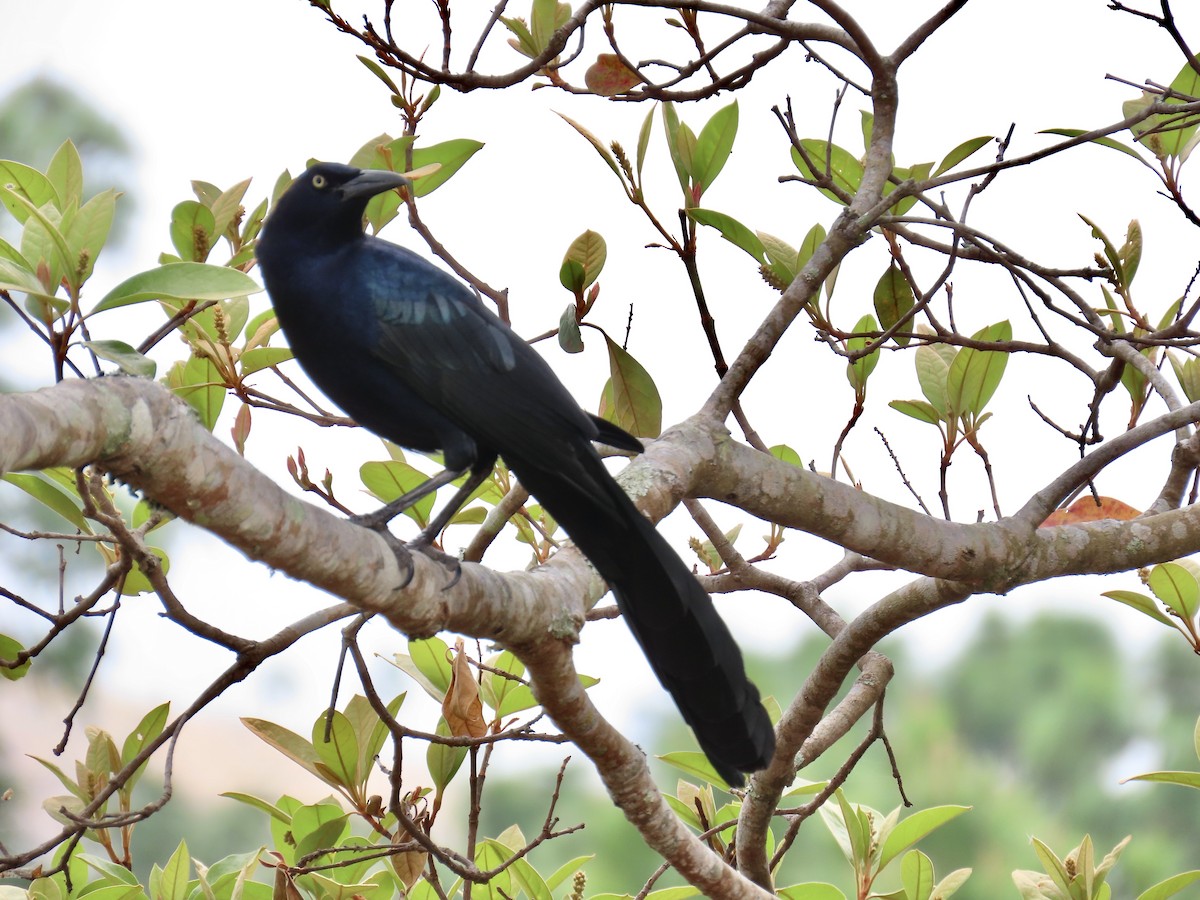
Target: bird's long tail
{"x": 686, "y": 642}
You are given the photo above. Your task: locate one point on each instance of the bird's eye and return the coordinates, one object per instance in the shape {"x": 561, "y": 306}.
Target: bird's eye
{"x": 319, "y": 182}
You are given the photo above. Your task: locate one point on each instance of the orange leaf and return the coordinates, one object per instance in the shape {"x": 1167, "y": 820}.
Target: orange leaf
{"x": 1086, "y": 509}
{"x": 462, "y": 707}
{"x": 608, "y": 76}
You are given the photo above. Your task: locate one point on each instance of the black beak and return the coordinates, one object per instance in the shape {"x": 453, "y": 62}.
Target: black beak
{"x": 370, "y": 182}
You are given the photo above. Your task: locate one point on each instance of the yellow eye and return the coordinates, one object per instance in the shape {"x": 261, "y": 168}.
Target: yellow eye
{"x": 319, "y": 182}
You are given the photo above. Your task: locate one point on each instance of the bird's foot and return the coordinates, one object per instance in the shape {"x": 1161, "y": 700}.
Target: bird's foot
{"x": 450, "y": 563}
{"x": 402, "y": 553}
{"x": 422, "y": 543}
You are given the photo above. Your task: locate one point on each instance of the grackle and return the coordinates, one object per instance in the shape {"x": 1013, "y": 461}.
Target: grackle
{"x": 413, "y": 355}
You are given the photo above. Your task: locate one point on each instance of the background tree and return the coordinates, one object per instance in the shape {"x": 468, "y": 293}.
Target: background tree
{"x": 948, "y": 299}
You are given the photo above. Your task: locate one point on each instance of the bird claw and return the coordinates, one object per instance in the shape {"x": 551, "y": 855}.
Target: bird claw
{"x": 404, "y": 551}
{"x": 447, "y": 562}
{"x": 403, "y": 557}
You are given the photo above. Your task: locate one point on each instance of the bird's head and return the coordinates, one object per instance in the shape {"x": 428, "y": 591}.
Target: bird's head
{"x": 332, "y": 198}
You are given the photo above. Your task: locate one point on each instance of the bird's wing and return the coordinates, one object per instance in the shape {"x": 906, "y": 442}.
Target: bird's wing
{"x": 437, "y": 336}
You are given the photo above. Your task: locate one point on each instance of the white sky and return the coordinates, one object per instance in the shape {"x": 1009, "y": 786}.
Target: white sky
{"x": 229, "y": 89}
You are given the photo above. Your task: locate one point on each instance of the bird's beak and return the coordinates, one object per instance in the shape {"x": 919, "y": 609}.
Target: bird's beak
{"x": 370, "y": 182}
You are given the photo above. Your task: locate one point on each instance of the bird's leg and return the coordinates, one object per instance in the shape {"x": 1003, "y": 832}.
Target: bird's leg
{"x": 379, "y": 519}
{"x": 424, "y": 541}
{"x": 402, "y": 554}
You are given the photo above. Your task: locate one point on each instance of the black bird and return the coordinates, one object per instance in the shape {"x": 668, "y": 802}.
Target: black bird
{"x": 414, "y": 356}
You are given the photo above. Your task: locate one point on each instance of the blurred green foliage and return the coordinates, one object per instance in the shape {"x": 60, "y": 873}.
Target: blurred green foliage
{"x": 1033, "y": 725}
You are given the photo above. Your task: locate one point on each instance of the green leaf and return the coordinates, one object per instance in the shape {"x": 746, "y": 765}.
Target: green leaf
{"x": 379, "y": 73}
{"x": 42, "y": 240}
{"x": 148, "y": 729}
{"x": 65, "y": 172}
{"x": 1110, "y": 252}
{"x": 1170, "y": 886}
{"x": 1176, "y": 587}
{"x": 1053, "y": 866}
{"x": 636, "y": 405}
{"x": 10, "y": 254}
{"x": 130, "y": 361}
{"x": 489, "y": 855}
{"x": 951, "y": 883}
{"x": 1185, "y": 779}
{"x": 570, "y": 337}
{"x": 644, "y": 142}
{"x": 111, "y": 871}
{"x": 225, "y": 208}
{"x": 370, "y": 730}
{"x": 812, "y": 240}
{"x": 589, "y": 252}
{"x": 1102, "y": 141}
{"x": 173, "y": 880}
{"x": 570, "y": 276}
{"x": 916, "y": 873}
{"x": 258, "y": 803}
{"x": 567, "y": 870}
{"x": 430, "y": 656}
{"x": 524, "y": 43}
{"x": 858, "y": 371}
{"x": 340, "y": 753}
{"x": 87, "y": 232}
{"x": 1140, "y": 602}
{"x": 605, "y": 153}
{"x": 695, "y": 764}
{"x": 829, "y": 161}
{"x": 192, "y": 230}
{"x": 962, "y": 152}
{"x": 893, "y": 299}
{"x": 685, "y": 811}
{"x": 542, "y": 21}
{"x": 198, "y": 382}
{"x": 181, "y": 281}
{"x": 813, "y": 890}
{"x": 786, "y": 454}
{"x": 451, "y": 155}
{"x": 781, "y": 257}
{"x": 1130, "y": 253}
{"x": 731, "y": 229}
{"x": 14, "y": 277}
{"x": 290, "y": 744}
{"x": 1179, "y": 131}
{"x": 682, "y": 144}
{"x": 529, "y": 880}
{"x": 974, "y": 375}
{"x": 318, "y": 826}
{"x": 506, "y": 696}
{"x": 1188, "y": 375}
{"x": 260, "y": 358}
{"x": 66, "y": 505}
{"x": 915, "y": 827}
{"x": 390, "y": 479}
{"x": 713, "y": 146}
{"x": 916, "y": 174}
{"x": 9, "y": 648}
{"x": 858, "y": 831}
{"x": 917, "y": 409}
{"x": 27, "y": 183}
